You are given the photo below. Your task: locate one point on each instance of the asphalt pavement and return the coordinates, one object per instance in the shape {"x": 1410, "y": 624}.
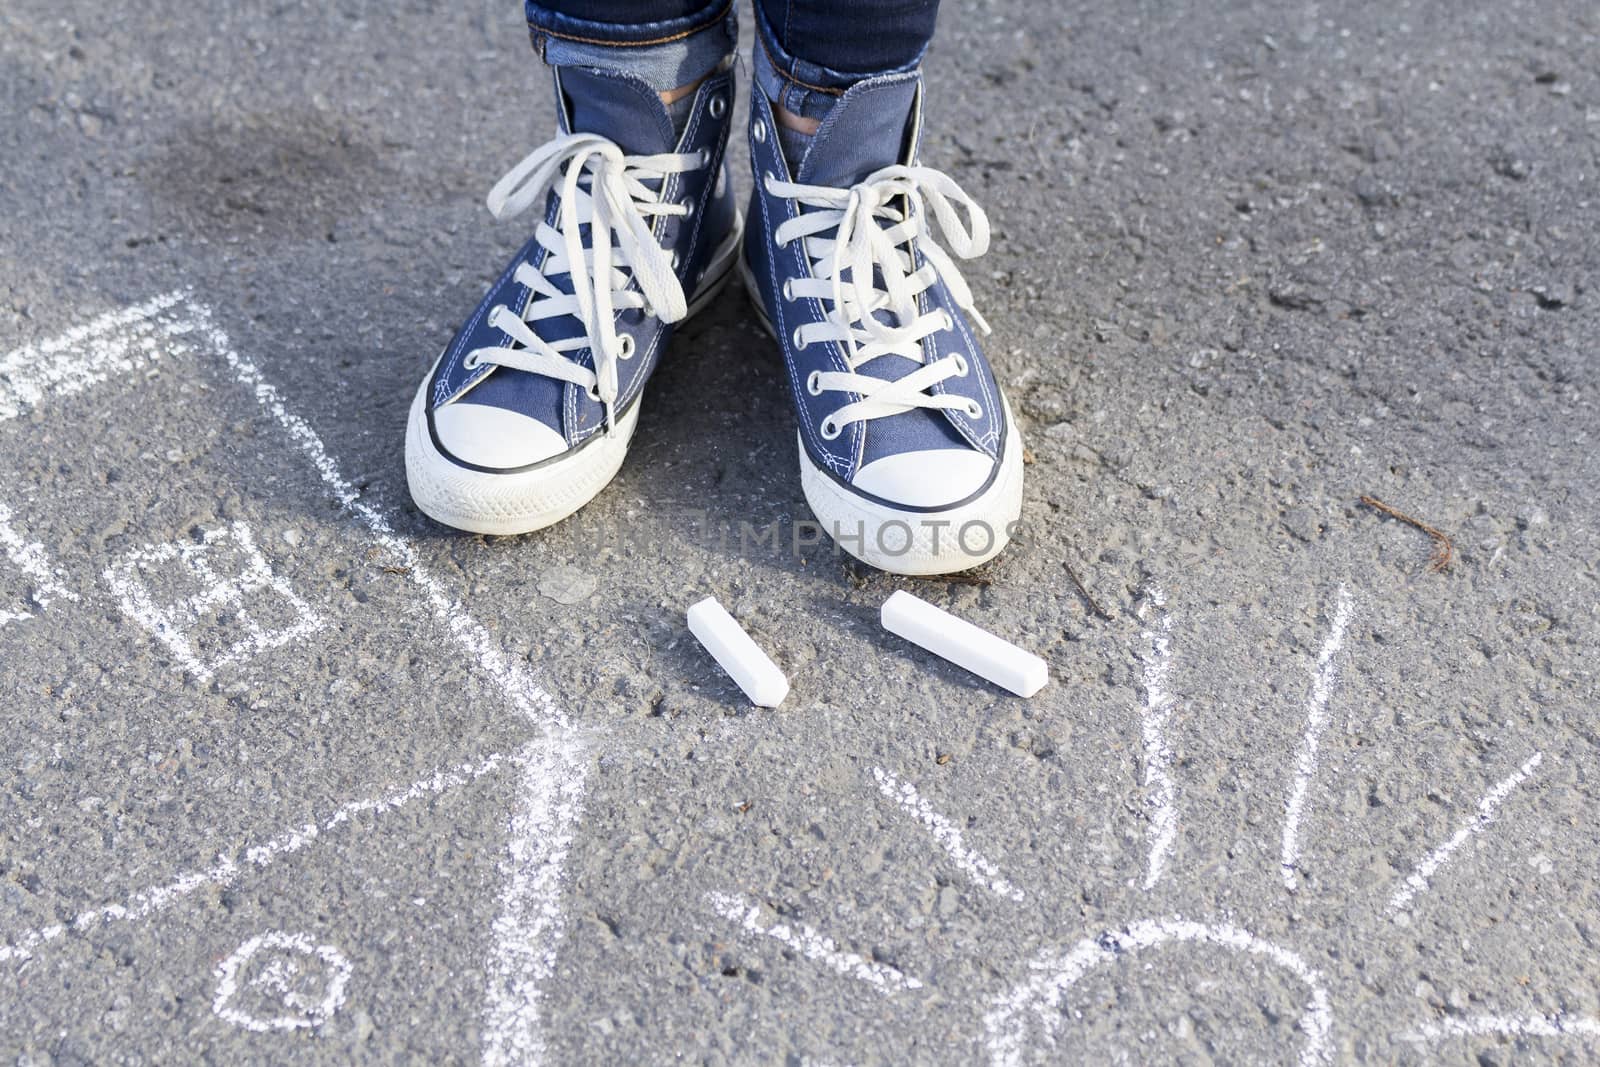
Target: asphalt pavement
{"x": 292, "y": 774}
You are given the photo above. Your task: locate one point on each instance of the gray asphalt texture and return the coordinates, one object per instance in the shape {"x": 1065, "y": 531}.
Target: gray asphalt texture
{"x": 1252, "y": 262}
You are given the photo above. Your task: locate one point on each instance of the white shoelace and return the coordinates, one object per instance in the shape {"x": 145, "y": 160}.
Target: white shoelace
{"x": 875, "y": 227}
{"x": 617, "y": 206}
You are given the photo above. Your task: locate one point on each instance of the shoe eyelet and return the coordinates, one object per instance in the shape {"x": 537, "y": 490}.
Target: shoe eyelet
{"x": 594, "y": 393}
{"x": 961, "y": 364}
{"x": 788, "y": 290}
{"x": 688, "y": 208}
{"x": 759, "y": 131}
{"x": 949, "y": 319}
{"x": 828, "y": 429}
{"x": 974, "y": 410}
{"x": 677, "y": 261}
{"x": 718, "y": 106}
{"x": 814, "y": 383}
{"x": 471, "y": 362}
{"x": 767, "y": 178}
{"x": 799, "y": 342}
{"x": 626, "y": 351}
{"x": 705, "y": 156}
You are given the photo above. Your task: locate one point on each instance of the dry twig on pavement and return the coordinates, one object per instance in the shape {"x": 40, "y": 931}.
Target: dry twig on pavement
{"x": 1444, "y": 550}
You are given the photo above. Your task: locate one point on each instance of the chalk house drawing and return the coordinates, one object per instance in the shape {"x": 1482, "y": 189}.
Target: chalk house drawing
{"x": 189, "y": 593}
{"x": 170, "y": 589}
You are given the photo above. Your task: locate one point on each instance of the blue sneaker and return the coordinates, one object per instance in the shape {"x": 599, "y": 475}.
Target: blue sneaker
{"x": 528, "y": 412}
{"x": 909, "y": 456}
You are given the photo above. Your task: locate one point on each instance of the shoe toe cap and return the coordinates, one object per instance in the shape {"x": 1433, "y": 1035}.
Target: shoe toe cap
{"x": 494, "y": 437}
{"x": 930, "y": 478}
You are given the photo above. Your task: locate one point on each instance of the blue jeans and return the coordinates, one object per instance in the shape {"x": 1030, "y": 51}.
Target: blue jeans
{"x": 817, "y": 45}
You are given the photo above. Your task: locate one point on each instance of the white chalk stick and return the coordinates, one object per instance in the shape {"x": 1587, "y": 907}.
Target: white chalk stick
{"x": 964, "y": 644}
{"x": 741, "y": 657}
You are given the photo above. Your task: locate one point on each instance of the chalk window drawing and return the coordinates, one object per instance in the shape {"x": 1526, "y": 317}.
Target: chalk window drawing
{"x": 213, "y": 600}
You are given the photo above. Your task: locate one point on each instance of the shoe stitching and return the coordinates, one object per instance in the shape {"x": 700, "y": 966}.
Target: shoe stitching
{"x": 990, "y": 436}
{"x": 810, "y": 431}
{"x": 957, "y": 420}
{"x": 570, "y": 394}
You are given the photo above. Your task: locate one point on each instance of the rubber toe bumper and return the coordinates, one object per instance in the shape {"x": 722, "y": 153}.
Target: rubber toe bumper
{"x": 918, "y": 539}
{"x": 521, "y": 501}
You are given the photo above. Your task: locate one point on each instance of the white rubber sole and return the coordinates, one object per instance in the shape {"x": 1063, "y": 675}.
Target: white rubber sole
{"x": 918, "y": 543}
{"x": 517, "y": 503}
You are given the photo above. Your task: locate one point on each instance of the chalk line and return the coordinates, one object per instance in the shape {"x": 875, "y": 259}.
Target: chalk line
{"x": 552, "y": 786}
{"x": 1508, "y": 1026}
{"x": 149, "y": 902}
{"x": 29, "y": 557}
{"x": 114, "y": 343}
{"x": 530, "y": 924}
{"x": 1305, "y": 760}
{"x": 1420, "y": 878}
{"x": 1007, "y": 1023}
{"x": 279, "y": 978}
{"x": 512, "y": 678}
{"x": 172, "y": 623}
{"x": 1161, "y": 794}
{"x": 946, "y": 834}
{"x": 811, "y": 944}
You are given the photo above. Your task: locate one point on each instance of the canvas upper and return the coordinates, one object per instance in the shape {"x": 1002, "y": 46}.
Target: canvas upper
{"x": 489, "y": 417}
{"x": 924, "y": 458}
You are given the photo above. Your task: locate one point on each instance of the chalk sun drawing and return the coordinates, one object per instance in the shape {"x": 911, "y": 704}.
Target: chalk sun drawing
{"x": 1007, "y": 1023}
{"x": 1024, "y": 1022}
{"x": 1428, "y": 866}
{"x": 809, "y": 943}
{"x": 944, "y": 831}
{"x": 1305, "y": 760}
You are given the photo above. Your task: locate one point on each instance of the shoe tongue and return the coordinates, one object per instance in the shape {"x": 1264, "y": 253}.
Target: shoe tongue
{"x": 863, "y": 132}
{"x": 617, "y": 106}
